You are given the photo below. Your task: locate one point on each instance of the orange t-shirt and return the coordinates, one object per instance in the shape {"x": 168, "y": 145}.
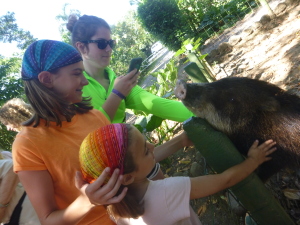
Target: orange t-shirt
{"x": 56, "y": 149}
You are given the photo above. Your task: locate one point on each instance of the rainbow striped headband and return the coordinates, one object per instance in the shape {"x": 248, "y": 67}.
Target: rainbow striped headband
{"x": 104, "y": 147}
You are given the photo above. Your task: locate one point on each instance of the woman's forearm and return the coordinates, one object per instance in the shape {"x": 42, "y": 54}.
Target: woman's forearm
{"x": 40, "y": 190}
{"x": 8, "y": 185}
{"x": 71, "y": 215}
{"x": 140, "y": 99}
{"x": 111, "y": 105}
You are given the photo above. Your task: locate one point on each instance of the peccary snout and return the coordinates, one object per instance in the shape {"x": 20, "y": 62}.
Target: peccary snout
{"x": 180, "y": 90}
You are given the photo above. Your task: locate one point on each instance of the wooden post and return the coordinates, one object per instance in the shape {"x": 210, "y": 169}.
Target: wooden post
{"x": 265, "y": 4}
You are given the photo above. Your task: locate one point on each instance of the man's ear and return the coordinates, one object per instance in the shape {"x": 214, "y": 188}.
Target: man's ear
{"x": 127, "y": 179}
{"x": 45, "y": 78}
{"x": 81, "y": 47}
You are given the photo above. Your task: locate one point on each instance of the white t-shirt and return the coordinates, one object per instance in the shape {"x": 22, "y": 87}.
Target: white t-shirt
{"x": 166, "y": 202}
{"x": 28, "y": 215}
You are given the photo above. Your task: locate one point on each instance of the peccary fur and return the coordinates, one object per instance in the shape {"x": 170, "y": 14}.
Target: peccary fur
{"x": 248, "y": 109}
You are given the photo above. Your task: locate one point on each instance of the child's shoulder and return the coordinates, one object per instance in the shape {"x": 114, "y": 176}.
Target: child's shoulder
{"x": 169, "y": 182}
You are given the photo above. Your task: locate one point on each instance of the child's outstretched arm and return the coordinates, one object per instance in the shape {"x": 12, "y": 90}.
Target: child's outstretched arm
{"x": 206, "y": 185}
{"x": 163, "y": 151}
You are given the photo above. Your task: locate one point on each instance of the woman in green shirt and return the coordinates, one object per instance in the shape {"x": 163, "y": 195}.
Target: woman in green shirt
{"x": 110, "y": 94}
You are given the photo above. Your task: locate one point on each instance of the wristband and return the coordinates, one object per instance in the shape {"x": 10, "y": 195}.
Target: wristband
{"x": 116, "y": 92}
{"x": 154, "y": 171}
{"x": 4, "y": 206}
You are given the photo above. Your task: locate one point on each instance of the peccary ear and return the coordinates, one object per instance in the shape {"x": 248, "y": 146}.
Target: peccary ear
{"x": 269, "y": 104}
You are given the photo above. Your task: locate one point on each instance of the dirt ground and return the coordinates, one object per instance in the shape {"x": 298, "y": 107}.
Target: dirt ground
{"x": 257, "y": 47}
{"x": 264, "y": 49}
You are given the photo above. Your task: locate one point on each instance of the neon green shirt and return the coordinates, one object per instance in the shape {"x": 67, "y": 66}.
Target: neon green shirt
{"x": 138, "y": 99}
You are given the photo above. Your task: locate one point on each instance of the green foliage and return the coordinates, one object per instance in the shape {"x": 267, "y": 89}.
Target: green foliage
{"x": 166, "y": 81}
{"x": 162, "y": 130}
{"x": 228, "y": 13}
{"x": 148, "y": 123}
{"x": 10, "y": 82}
{"x": 216, "y": 16}
{"x": 10, "y": 32}
{"x": 203, "y": 71}
{"x": 164, "y": 20}
{"x": 155, "y": 129}
{"x": 11, "y": 86}
{"x": 132, "y": 41}
{"x": 193, "y": 11}
{"x": 188, "y": 46}
{"x": 172, "y": 21}
{"x": 7, "y": 138}
{"x": 63, "y": 19}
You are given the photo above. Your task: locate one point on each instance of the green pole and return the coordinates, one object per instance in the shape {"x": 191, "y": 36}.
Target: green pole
{"x": 221, "y": 154}
{"x": 203, "y": 66}
{"x": 195, "y": 73}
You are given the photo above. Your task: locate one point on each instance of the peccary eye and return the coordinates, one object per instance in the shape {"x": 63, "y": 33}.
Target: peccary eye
{"x": 232, "y": 99}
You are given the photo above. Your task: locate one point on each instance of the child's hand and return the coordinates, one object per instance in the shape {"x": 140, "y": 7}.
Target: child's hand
{"x": 102, "y": 195}
{"x": 260, "y": 153}
{"x": 186, "y": 142}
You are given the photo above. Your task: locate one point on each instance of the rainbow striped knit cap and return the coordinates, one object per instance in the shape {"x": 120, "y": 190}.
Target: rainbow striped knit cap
{"x": 104, "y": 147}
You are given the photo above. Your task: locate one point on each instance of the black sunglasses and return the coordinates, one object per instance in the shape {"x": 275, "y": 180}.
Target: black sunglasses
{"x": 102, "y": 43}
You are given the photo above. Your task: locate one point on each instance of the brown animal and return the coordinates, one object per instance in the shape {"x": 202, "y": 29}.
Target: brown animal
{"x": 248, "y": 109}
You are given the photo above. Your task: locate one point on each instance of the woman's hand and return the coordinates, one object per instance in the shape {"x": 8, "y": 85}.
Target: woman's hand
{"x": 102, "y": 195}
{"x": 125, "y": 83}
{"x": 260, "y": 153}
{"x": 122, "y": 88}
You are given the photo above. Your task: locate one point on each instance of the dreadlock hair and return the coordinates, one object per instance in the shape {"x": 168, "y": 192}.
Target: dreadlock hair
{"x": 129, "y": 206}
{"x": 15, "y": 112}
{"x": 49, "y": 106}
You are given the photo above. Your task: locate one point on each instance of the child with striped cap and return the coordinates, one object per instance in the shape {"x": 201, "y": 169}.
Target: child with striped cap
{"x": 160, "y": 202}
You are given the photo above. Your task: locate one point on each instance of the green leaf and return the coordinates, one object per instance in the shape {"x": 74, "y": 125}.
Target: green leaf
{"x": 160, "y": 78}
{"x": 173, "y": 76}
{"x": 203, "y": 56}
{"x": 153, "y": 122}
{"x": 167, "y": 75}
{"x": 168, "y": 94}
{"x": 142, "y": 121}
{"x": 139, "y": 127}
{"x": 179, "y": 52}
{"x": 160, "y": 91}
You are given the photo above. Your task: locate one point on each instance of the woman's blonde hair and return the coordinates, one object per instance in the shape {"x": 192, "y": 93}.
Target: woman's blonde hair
{"x": 15, "y": 112}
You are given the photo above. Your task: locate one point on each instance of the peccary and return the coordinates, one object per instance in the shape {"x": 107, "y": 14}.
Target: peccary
{"x": 248, "y": 109}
